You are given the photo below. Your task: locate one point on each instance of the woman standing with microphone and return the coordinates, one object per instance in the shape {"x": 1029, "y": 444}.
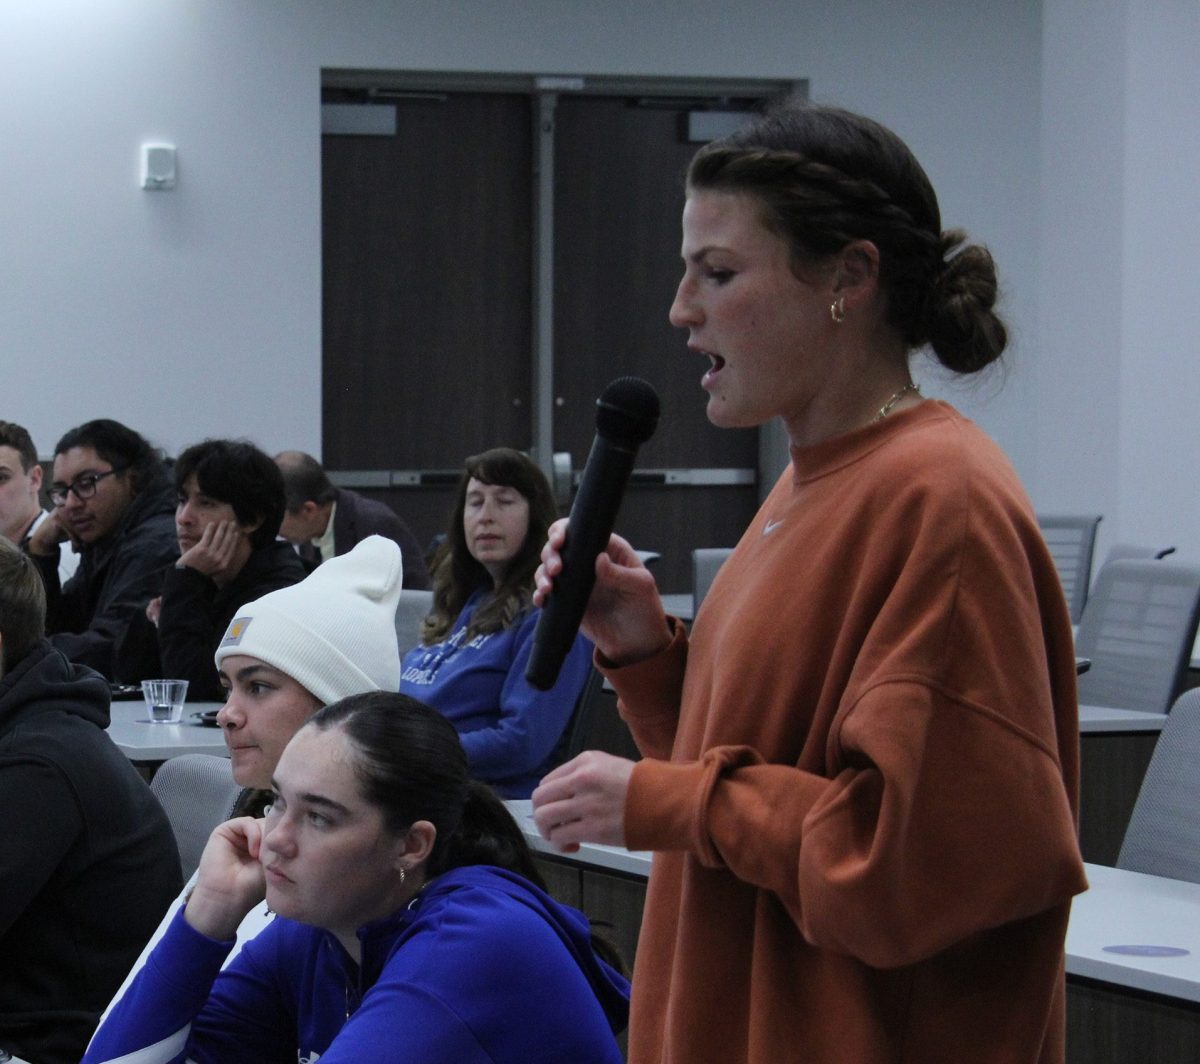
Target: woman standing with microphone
{"x": 861, "y": 767}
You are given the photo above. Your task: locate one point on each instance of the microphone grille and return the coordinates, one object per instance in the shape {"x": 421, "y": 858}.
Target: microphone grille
{"x": 627, "y": 411}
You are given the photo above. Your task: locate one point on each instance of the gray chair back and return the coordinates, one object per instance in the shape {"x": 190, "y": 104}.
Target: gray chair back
{"x": 1138, "y": 629}
{"x": 411, "y": 610}
{"x": 577, "y": 735}
{"x": 1122, "y": 551}
{"x": 596, "y": 725}
{"x": 705, "y": 563}
{"x": 1163, "y": 837}
{"x": 1072, "y": 540}
{"x": 197, "y": 792}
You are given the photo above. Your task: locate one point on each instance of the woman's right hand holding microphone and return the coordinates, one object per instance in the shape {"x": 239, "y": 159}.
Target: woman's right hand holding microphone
{"x": 624, "y": 616}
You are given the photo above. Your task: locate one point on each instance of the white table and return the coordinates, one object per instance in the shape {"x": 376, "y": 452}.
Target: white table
{"x": 140, "y": 740}
{"x": 1125, "y": 1008}
{"x": 681, "y": 606}
{"x": 1094, "y": 719}
{"x": 1122, "y": 1008}
{"x": 1122, "y": 908}
{"x": 1119, "y": 908}
{"x": 610, "y": 858}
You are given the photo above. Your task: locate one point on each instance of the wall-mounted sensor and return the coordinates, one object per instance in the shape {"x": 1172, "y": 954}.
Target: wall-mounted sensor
{"x": 158, "y": 166}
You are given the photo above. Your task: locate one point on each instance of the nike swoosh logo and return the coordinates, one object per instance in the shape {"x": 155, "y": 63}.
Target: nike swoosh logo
{"x": 770, "y": 527}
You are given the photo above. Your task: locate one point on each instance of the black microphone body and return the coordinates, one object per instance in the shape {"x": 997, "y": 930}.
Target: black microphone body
{"x": 626, "y": 417}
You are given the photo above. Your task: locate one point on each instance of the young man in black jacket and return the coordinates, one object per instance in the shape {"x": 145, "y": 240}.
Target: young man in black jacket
{"x": 229, "y": 503}
{"x": 112, "y": 497}
{"x": 88, "y": 863}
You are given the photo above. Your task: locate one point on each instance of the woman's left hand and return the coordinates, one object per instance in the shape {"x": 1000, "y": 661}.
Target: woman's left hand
{"x": 584, "y": 801}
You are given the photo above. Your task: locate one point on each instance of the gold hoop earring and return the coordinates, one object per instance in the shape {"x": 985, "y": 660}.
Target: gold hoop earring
{"x": 837, "y": 310}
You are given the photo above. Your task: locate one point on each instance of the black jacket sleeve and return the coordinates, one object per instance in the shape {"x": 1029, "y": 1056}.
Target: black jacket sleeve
{"x": 186, "y": 626}
{"x": 129, "y": 581}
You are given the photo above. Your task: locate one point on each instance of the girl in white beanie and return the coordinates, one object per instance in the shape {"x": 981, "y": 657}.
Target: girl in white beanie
{"x": 286, "y": 655}
{"x": 289, "y": 653}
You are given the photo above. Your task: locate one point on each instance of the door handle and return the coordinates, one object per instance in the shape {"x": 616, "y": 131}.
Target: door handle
{"x": 561, "y": 478}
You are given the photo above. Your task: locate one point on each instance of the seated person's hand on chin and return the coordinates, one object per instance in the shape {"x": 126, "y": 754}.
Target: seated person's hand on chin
{"x": 229, "y": 880}
{"x": 48, "y": 535}
{"x": 220, "y": 552}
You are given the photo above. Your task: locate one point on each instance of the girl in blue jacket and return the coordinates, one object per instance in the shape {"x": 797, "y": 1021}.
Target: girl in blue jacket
{"x": 477, "y": 640}
{"x": 409, "y": 927}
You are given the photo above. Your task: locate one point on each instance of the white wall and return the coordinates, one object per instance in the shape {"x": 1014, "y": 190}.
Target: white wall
{"x": 1118, "y": 375}
{"x": 1159, "y": 498}
{"x": 184, "y": 313}
{"x": 197, "y": 311}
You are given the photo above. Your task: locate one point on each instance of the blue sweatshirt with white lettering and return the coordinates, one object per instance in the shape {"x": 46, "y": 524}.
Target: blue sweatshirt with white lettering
{"x": 509, "y": 729}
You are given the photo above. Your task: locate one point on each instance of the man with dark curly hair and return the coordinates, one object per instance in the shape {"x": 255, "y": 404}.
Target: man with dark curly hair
{"x": 112, "y": 499}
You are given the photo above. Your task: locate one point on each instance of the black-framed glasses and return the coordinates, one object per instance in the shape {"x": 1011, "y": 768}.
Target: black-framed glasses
{"x": 83, "y": 487}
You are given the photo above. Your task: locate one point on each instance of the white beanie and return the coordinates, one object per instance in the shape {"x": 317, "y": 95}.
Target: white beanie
{"x": 334, "y": 633}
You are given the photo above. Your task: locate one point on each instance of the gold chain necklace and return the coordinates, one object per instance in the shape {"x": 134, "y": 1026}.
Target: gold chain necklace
{"x": 886, "y": 409}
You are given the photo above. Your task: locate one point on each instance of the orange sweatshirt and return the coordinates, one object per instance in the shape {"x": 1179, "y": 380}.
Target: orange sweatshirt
{"x": 861, "y": 776}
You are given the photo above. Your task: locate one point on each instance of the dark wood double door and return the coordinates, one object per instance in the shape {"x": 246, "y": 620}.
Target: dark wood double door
{"x": 433, "y": 287}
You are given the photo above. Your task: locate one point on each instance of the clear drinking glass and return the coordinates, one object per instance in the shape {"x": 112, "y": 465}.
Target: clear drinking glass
{"x": 164, "y": 700}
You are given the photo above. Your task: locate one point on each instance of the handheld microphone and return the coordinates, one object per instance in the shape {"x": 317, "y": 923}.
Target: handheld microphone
{"x": 626, "y": 417}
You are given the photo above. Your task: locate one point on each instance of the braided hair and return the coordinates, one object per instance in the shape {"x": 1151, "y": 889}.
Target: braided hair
{"x": 825, "y": 177}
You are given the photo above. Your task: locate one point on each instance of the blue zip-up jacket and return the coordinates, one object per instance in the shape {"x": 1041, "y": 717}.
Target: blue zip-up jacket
{"x": 509, "y": 729}
{"x": 481, "y": 967}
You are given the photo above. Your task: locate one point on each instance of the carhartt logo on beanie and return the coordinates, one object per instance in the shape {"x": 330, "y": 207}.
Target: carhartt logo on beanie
{"x": 334, "y": 633}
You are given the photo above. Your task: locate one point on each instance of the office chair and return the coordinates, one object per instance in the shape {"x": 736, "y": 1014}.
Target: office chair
{"x": 596, "y": 725}
{"x": 1122, "y": 551}
{"x": 197, "y": 792}
{"x": 705, "y": 563}
{"x": 1163, "y": 836}
{"x": 1071, "y": 539}
{"x": 578, "y": 733}
{"x": 1138, "y": 628}
{"x": 411, "y": 610}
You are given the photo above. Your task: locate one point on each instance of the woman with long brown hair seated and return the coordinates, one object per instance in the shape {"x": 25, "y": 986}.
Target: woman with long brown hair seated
{"x": 477, "y": 640}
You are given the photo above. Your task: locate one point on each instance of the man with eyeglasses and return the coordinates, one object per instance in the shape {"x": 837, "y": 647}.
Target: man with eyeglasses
{"x": 21, "y": 510}
{"x": 113, "y": 499}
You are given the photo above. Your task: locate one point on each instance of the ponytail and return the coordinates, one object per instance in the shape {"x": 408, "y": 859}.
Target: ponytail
{"x": 486, "y": 834}
{"x": 411, "y": 765}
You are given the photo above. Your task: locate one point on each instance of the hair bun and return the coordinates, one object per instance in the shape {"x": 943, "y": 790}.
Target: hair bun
{"x": 963, "y": 329}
